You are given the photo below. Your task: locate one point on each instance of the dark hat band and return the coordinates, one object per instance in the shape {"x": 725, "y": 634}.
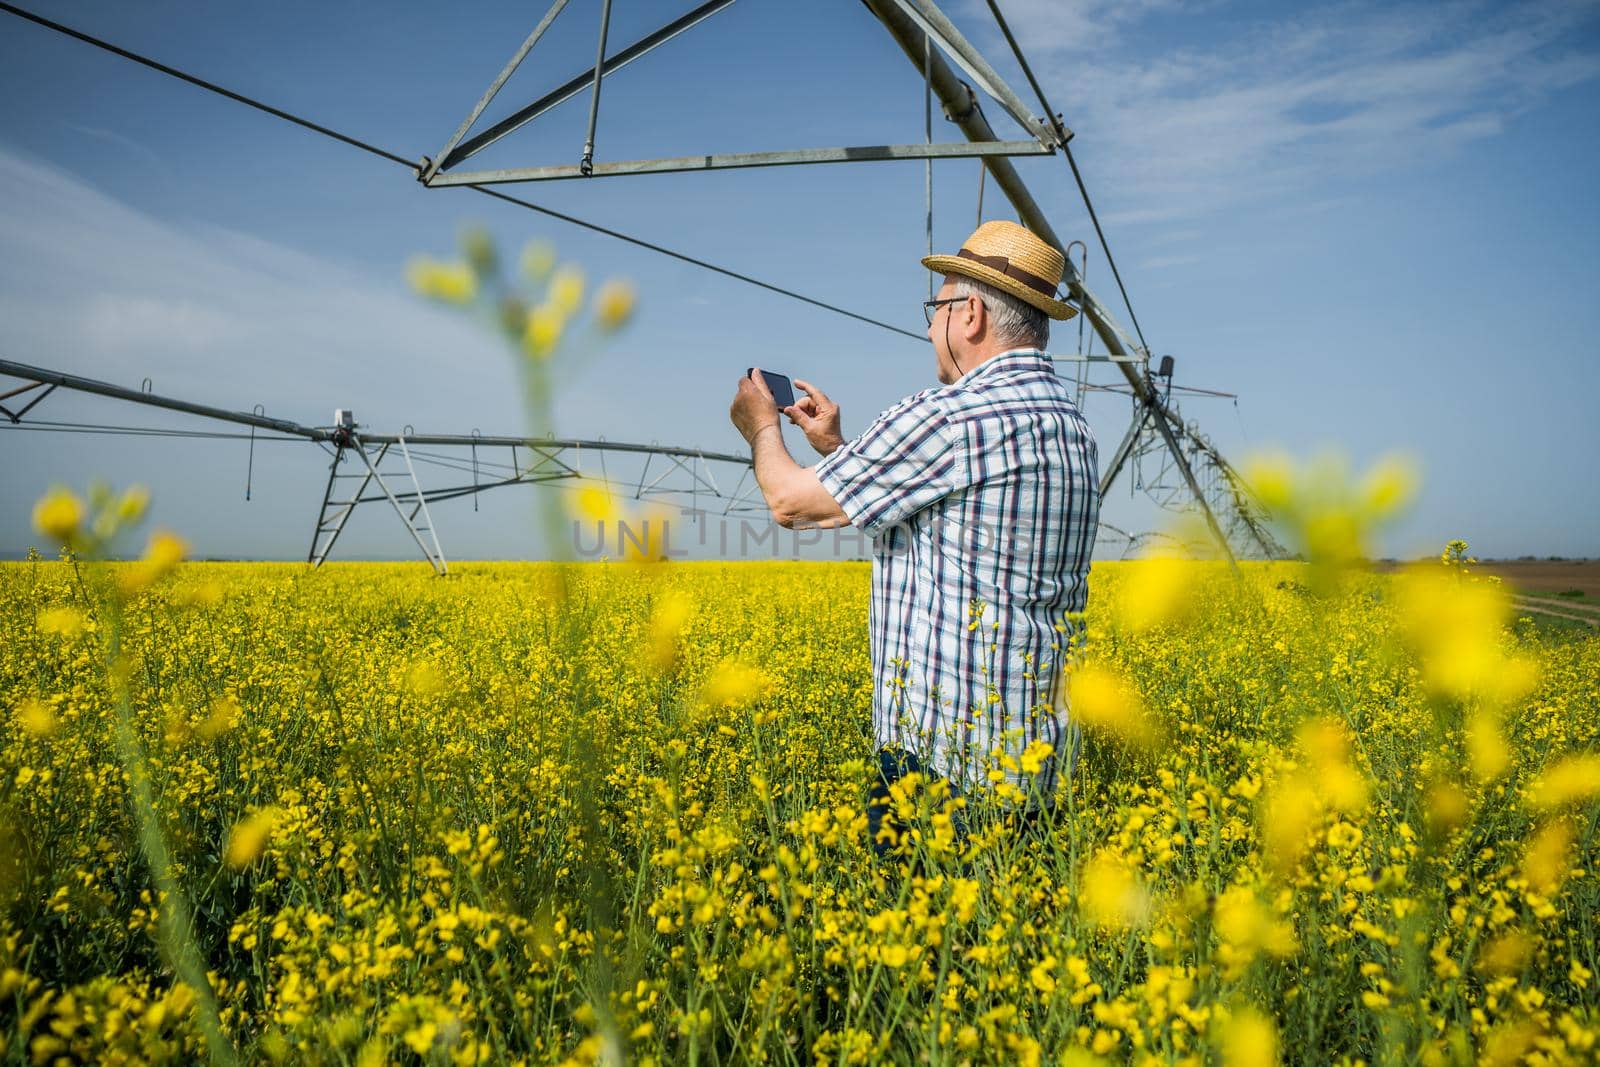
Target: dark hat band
{"x": 1010, "y": 270}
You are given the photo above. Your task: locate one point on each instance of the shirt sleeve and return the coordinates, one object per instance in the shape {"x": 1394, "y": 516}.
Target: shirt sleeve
{"x": 908, "y": 458}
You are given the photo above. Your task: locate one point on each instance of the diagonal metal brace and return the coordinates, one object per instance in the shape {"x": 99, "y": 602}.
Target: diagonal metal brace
{"x": 933, "y": 22}
{"x": 494, "y": 88}
{"x": 16, "y": 416}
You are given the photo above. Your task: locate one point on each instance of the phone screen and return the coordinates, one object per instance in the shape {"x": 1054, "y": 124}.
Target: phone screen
{"x": 782, "y": 391}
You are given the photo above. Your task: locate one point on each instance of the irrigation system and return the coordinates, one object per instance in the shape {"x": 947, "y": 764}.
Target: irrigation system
{"x": 1169, "y": 458}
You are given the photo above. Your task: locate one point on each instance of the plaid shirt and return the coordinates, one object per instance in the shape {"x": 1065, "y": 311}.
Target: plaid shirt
{"x": 981, "y": 498}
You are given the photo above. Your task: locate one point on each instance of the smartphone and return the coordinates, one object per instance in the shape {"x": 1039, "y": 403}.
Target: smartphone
{"x": 782, "y": 391}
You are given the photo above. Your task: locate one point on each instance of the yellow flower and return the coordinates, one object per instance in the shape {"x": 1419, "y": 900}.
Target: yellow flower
{"x": 596, "y": 504}
{"x": 644, "y": 541}
{"x": 1270, "y": 477}
{"x": 543, "y": 333}
{"x": 1103, "y": 701}
{"x": 454, "y": 283}
{"x": 64, "y": 621}
{"x": 538, "y": 260}
{"x": 1455, "y": 626}
{"x": 731, "y": 683}
{"x": 1333, "y": 536}
{"x": 1389, "y": 486}
{"x": 1544, "y": 864}
{"x": 1508, "y": 1044}
{"x": 203, "y": 595}
{"x": 613, "y": 304}
{"x": 133, "y": 503}
{"x": 1342, "y": 786}
{"x": 566, "y": 290}
{"x": 478, "y": 247}
{"x": 1246, "y": 929}
{"x": 224, "y": 715}
{"x": 1249, "y": 1040}
{"x": 1447, "y": 807}
{"x": 1032, "y": 759}
{"x": 1157, "y": 590}
{"x": 1486, "y": 746}
{"x": 1572, "y": 779}
{"x": 1344, "y": 835}
{"x": 672, "y": 610}
{"x": 250, "y": 835}
{"x": 1076, "y": 1057}
{"x": 164, "y": 552}
{"x": 1291, "y": 810}
{"x": 1506, "y": 954}
{"x": 1041, "y": 978}
{"x": 59, "y": 514}
{"x": 1111, "y": 895}
{"x": 36, "y": 717}
{"x": 424, "y": 678}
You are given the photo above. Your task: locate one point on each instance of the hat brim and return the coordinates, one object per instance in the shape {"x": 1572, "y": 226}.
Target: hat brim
{"x": 1056, "y": 309}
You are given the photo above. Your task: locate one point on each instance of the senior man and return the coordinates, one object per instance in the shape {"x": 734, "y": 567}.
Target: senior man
{"x": 981, "y": 499}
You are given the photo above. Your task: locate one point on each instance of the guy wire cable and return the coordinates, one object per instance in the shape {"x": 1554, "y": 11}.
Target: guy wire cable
{"x": 1066, "y": 148}
{"x": 412, "y": 166}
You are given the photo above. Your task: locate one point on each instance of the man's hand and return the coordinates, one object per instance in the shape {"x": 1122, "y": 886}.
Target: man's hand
{"x": 753, "y": 408}
{"x": 818, "y": 416}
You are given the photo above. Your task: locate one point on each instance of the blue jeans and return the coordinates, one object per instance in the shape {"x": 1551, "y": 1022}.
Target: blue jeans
{"x": 895, "y": 763}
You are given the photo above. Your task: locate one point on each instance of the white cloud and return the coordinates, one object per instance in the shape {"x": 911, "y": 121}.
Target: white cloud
{"x": 111, "y": 321}
{"x": 95, "y": 287}
{"x": 1164, "y": 262}
{"x": 147, "y": 156}
{"x": 1264, "y": 109}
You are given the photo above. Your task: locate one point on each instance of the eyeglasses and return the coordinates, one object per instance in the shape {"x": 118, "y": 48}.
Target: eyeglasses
{"x": 929, "y": 306}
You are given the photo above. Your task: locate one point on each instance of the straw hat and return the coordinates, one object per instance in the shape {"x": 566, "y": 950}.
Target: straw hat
{"x": 1012, "y": 259}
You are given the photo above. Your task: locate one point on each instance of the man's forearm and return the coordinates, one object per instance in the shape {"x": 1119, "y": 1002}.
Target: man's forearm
{"x": 794, "y": 493}
{"x": 775, "y": 468}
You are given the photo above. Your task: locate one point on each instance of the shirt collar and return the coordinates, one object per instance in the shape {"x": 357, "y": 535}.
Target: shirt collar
{"x": 1014, "y": 358}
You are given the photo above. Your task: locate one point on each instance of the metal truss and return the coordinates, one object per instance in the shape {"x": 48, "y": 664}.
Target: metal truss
{"x": 381, "y": 468}
{"x": 335, "y": 513}
{"x": 434, "y": 172}
{"x": 1145, "y": 454}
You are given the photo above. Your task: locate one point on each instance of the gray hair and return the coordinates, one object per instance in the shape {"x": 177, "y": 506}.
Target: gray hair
{"x": 1013, "y": 321}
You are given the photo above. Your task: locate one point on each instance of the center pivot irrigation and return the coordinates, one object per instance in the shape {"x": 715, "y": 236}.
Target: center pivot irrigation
{"x": 691, "y": 479}
{"x": 1191, "y": 470}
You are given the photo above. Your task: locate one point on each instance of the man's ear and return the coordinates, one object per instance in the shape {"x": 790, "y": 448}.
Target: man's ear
{"x": 975, "y": 323}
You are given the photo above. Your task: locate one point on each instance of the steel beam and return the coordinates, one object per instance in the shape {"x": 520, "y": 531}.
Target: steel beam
{"x": 934, "y": 23}
{"x": 93, "y": 385}
{"x": 96, "y": 387}
{"x": 1141, "y": 415}
{"x": 736, "y": 160}
{"x": 422, "y": 506}
{"x": 541, "y": 444}
{"x": 587, "y": 163}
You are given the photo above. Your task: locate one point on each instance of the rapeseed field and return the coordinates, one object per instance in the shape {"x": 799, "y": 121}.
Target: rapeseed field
{"x": 614, "y": 812}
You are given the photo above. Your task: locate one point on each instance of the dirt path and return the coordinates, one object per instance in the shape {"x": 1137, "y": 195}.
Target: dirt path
{"x": 1540, "y": 606}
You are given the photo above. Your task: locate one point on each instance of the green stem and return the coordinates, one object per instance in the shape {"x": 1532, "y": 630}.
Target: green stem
{"x": 176, "y": 928}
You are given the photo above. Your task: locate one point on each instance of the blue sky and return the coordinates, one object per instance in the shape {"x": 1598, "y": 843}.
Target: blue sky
{"x": 1376, "y": 223}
